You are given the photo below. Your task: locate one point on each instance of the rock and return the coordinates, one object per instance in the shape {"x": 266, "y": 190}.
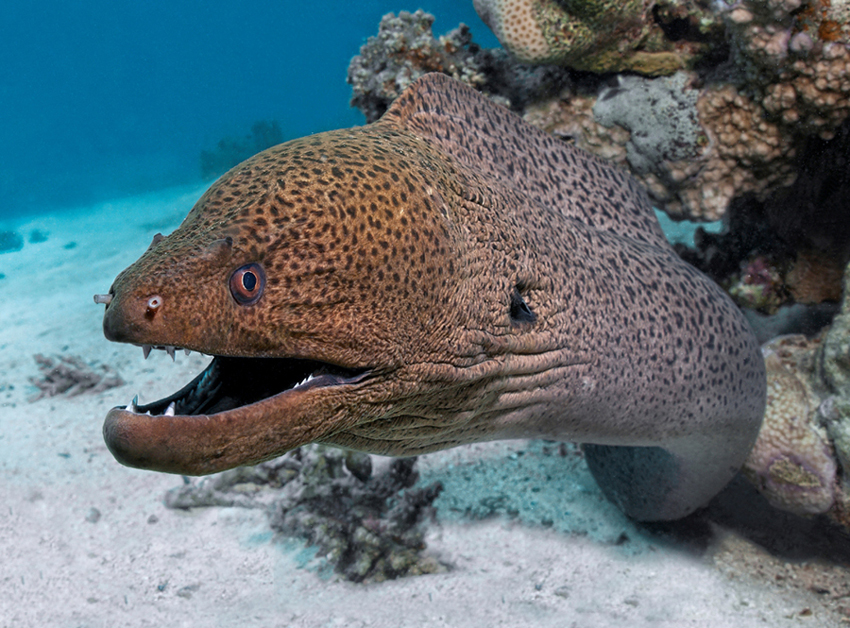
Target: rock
{"x": 10, "y": 241}
{"x": 793, "y": 463}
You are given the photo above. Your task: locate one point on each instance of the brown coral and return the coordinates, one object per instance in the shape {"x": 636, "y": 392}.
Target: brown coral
{"x": 770, "y": 76}
{"x": 815, "y": 278}
{"x": 789, "y": 80}
{"x": 795, "y": 57}
{"x": 746, "y": 154}
{"x": 737, "y": 152}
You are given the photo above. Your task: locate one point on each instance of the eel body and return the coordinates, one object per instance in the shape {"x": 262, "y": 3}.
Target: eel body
{"x": 446, "y": 275}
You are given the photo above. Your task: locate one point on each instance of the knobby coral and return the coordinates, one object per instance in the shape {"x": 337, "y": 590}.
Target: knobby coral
{"x": 600, "y": 35}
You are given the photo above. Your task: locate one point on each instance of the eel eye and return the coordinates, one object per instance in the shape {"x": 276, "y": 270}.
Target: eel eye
{"x": 247, "y": 283}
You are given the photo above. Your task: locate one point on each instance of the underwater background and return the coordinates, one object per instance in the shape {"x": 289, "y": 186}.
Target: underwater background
{"x": 110, "y": 98}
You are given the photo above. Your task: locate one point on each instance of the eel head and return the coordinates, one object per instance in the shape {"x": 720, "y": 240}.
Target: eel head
{"x": 325, "y": 278}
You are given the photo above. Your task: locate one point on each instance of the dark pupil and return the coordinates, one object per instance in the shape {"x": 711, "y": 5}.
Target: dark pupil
{"x": 249, "y": 281}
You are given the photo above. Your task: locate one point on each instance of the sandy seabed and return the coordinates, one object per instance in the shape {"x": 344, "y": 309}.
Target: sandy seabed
{"x": 85, "y": 542}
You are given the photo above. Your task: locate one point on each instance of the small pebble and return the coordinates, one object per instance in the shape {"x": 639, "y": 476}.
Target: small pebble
{"x": 563, "y": 592}
{"x": 186, "y": 592}
{"x": 93, "y": 516}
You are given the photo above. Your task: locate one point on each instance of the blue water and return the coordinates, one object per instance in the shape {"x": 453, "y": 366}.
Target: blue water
{"x": 104, "y": 98}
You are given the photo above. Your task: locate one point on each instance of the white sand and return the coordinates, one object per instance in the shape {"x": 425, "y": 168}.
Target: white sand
{"x": 140, "y": 564}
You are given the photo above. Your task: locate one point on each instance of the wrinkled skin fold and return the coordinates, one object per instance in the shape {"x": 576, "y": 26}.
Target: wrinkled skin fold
{"x": 446, "y": 275}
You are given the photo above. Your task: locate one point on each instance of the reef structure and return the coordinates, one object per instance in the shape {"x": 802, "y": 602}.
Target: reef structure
{"x": 752, "y": 128}
{"x": 744, "y": 117}
{"x": 598, "y": 36}
{"x": 793, "y": 462}
{"x": 406, "y": 48}
{"x": 751, "y": 84}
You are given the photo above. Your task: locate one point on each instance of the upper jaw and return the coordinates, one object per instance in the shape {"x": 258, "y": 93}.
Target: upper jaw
{"x": 171, "y": 350}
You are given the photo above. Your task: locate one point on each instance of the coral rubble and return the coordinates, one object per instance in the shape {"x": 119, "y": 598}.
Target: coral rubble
{"x": 37, "y": 236}
{"x": 70, "y": 375}
{"x": 369, "y": 525}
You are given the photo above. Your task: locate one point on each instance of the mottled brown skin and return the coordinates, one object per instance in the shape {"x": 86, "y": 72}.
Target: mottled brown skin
{"x": 395, "y": 247}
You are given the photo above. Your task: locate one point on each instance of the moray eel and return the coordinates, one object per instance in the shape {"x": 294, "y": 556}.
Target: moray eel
{"x": 446, "y": 275}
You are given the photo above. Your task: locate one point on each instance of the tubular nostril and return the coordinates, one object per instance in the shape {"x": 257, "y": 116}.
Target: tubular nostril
{"x": 153, "y": 304}
{"x": 106, "y": 299}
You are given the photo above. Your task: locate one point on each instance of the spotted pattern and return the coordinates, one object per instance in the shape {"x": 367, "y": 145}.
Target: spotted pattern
{"x": 406, "y": 246}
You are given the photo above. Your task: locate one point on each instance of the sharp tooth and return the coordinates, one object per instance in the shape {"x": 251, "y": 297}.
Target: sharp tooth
{"x": 306, "y": 380}
{"x": 134, "y": 405}
{"x": 146, "y": 349}
{"x": 186, "y": 351}
{"x": 169, "y": 411}
{"x": 170, "y": 351}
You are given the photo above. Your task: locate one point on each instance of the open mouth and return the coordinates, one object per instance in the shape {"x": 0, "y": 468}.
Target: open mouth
{"x": 233, "y": 382}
